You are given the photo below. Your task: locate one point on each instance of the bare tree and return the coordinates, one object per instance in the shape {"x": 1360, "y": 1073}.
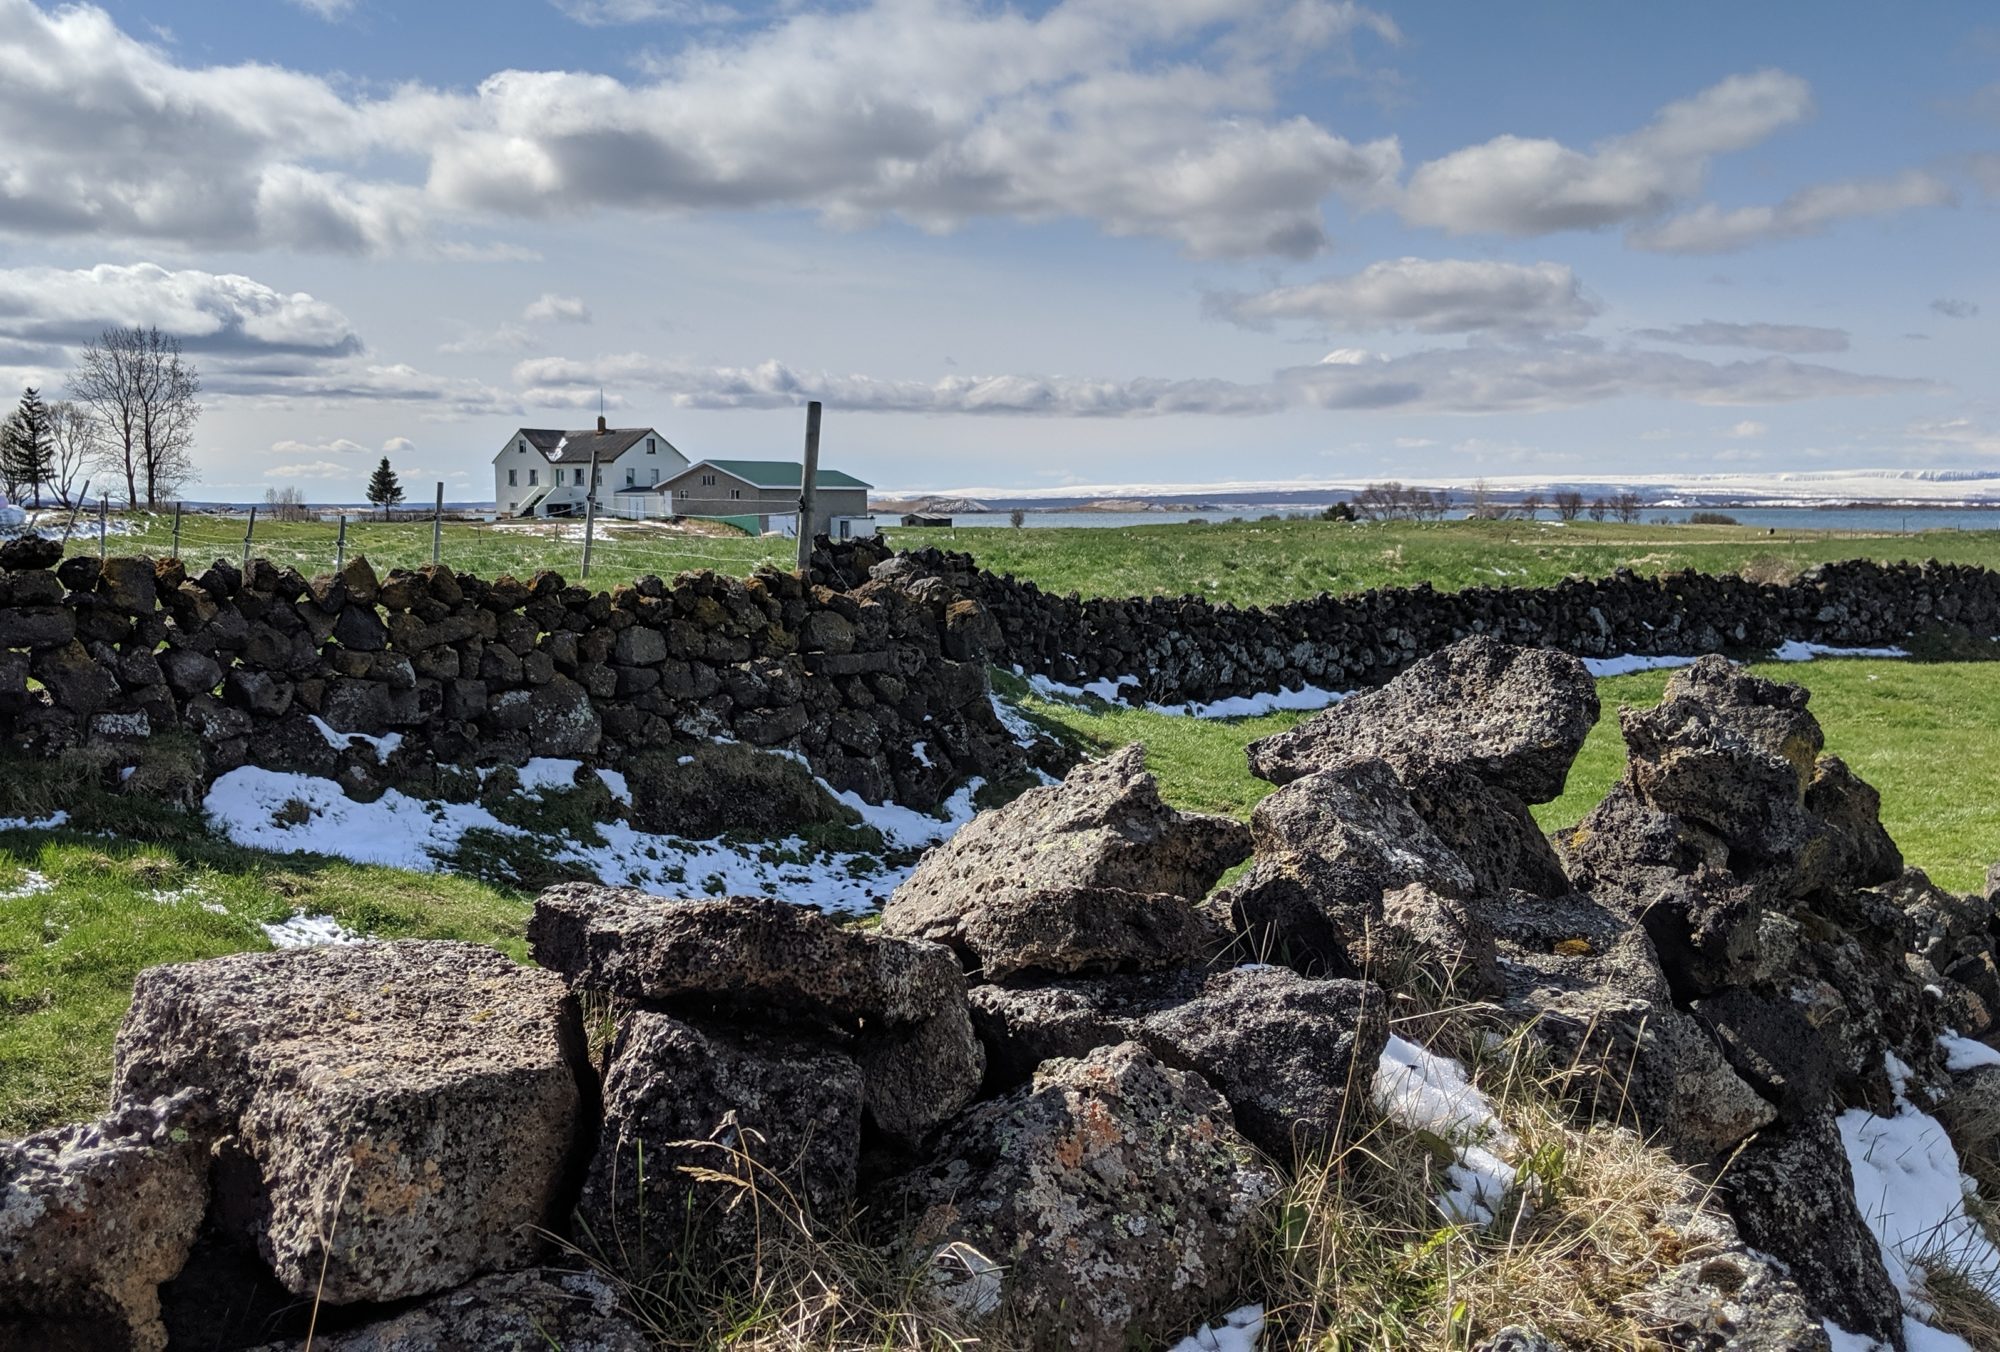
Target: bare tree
{"x": 77, "y": 443}
{"x": 1530, "y": 504}
{"x": 1569, "y": 504}
{"x": 1484, "y": 508}
{"x": 142, "y": 395}
{"x": 285, "y": 504}
{"x": 1599, "y": 509}
{"x": 1627, "y": 506}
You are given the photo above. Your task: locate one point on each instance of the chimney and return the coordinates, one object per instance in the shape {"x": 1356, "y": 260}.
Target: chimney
{"x": 600, "y": 422}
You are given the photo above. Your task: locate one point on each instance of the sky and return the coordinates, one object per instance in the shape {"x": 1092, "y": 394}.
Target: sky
{"x": 1094, "y": 241}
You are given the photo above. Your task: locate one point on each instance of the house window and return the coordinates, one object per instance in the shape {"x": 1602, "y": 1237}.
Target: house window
{"x": 735, "y": 492}
{"x": 600, "y": 479}
{"x": 531, "y": 478}
{"x": 653, "y": 476}
{"x": 651, "y": 448}
{"x": 513, "y": 478}
{"x": 579, "y": 476}
{"x": 631, "y": 477}
{"x": 708, "y": 481}
{"x": 522, "y": 449}
{"x": 512, "y": 506}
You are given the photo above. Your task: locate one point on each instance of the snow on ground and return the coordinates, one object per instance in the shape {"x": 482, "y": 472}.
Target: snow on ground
{"x": 294, "y": 813}
{"x": 1912, "y": 1193}
{"x": 340, "y": 741}
{"x": 307, "y": 931}
{"x": 1111, "y": 689}
{"x": 48, "y": 823}
{"x": 1422, "y": 1092}
{"x": 1963, "y": 1053}
{"x": 907, "y": 828}
{"x": 33, "y": 883}
{"x": 1238, "y": 1331}
{"x": 1795, "y": 651}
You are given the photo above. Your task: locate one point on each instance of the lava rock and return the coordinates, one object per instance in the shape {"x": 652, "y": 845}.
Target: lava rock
{"x": 418, "y": 1100}
{"x": 1515, "y": 717}
{"x": 541, "y": 1308}
{"x": 1113, "y": 1190}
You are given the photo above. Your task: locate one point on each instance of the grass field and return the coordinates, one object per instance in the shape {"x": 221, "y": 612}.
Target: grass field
{"x": 1263, "y": 562}
{"x": 623, "y": 550}
{"x": 1926, "y": 734}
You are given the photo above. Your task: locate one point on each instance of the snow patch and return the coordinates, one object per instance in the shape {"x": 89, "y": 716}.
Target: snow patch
{"x": 33, "y": 883}
{"x": 1238, "y": 1331}
{"x": 1308, "y": 697}
{"x": 1912, "y": 1193}
{"x": 48, "y": 823}
{"x": 1795, "y": 651}
{"x": 1627, "y": 663}
{"x": 1422, "y": 1092}
{"x": 340, "y": 741}
{"x": 293, "y": 813}
{"x": 308, "y": 931}
{"x": 1963, "y": 1053}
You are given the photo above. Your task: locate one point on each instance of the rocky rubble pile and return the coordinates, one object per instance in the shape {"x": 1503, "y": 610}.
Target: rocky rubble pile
{"x": 1066, "y": 1066}
{"x": 880, "y": 686}
{"x": 1185, "y": 648}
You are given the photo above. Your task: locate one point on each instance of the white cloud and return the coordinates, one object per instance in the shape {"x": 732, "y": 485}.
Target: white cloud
{"x": 1746, "y": 430}
{"x": 1541, "y": 377}
{"x": 1519, "y": 378}
{"x": 398, "y": 446}
{"x": 601, "y": 13}
{"x": 1796, "y": 339}
{"x": 551, "y": 308}
{"x": 556, "y": 381}
{"x": 327, "y": 9}
{"x": 293, "y": 384}
{"x": 1427, "y": 296}
{"x": 1952, "y": 308}
{"x": 1711, "y": 229}
{"x": 337, "y": 446}
{"x": 934, "y": 111}
{"x": 209, "y": 312}
{"x": 504, "y": 338}
{"x": 313, "y": 469}
{"x": 1530, "y": 186}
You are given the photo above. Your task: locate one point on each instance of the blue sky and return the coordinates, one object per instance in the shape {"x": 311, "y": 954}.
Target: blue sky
{"x": 1099, "y": 241}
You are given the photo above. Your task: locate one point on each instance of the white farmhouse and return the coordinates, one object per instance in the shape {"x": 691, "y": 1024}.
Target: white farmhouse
{"x": 542, "y": 472}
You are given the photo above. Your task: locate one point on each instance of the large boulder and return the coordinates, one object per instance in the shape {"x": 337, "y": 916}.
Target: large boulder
{"x": 1733, "y": 754}
{"x": 1489, "y": 829}
{"x": 533, "y": 1311}
{"x": 1281, "y": 1048}
{"x": 1328, "y": 846}
{"x": 1792, "y": 1194}
{"x": 1113, "y": 1191}
{"x": 1515, "y": 717}
{"x": 417, "y": 1101}
{"x": 1585, "y": 983}
{"x": 898, "y": 1005}
{"x": 92, "y": 1219}
{"x": 709, "y": 1135}
{"x": 1724, "y": 1296}
{"x": 1095, "y": 873}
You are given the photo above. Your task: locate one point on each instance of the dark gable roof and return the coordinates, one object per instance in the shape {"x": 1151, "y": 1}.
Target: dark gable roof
{"x": 777, "y": 473}
{"x": 577, "y": 447}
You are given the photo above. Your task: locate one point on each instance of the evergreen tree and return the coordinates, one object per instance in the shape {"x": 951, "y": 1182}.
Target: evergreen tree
{"x": 29, "y": 449}
{"x": 383, "y": 488}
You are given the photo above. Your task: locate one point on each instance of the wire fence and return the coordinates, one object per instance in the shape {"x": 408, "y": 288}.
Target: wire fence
{"x": 615, "y": 550}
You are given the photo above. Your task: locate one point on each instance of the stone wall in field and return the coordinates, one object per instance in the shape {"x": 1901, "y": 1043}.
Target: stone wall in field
{"x": 881, "y": 687}
{"x": 1184, "y": 648}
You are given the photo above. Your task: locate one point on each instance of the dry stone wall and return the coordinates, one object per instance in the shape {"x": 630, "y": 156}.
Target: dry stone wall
{"x": 880, "y": 688}
{"x": 1184, "y": 648}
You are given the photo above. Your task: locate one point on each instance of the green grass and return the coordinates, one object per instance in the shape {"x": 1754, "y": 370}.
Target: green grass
{"x": 621, "y": 552}
{"x": 1925, "y": 734}
{"x": 81, "y": 915}
{"x": 1261, "y": 563}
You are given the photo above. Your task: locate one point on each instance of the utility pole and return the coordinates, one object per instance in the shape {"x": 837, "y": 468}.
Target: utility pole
{"x": 437, "y": 526}
{"x": 807, "y": 485}
{"x": 248, "y": 531}
{"x": 590, "y": 514}
{"x": 340, "y": 545}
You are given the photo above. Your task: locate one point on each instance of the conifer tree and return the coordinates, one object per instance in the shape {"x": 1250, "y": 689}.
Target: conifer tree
{"x": 384, "y": 490}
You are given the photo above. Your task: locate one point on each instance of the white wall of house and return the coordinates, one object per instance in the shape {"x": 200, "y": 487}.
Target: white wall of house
{"x": 522, "y": 474}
